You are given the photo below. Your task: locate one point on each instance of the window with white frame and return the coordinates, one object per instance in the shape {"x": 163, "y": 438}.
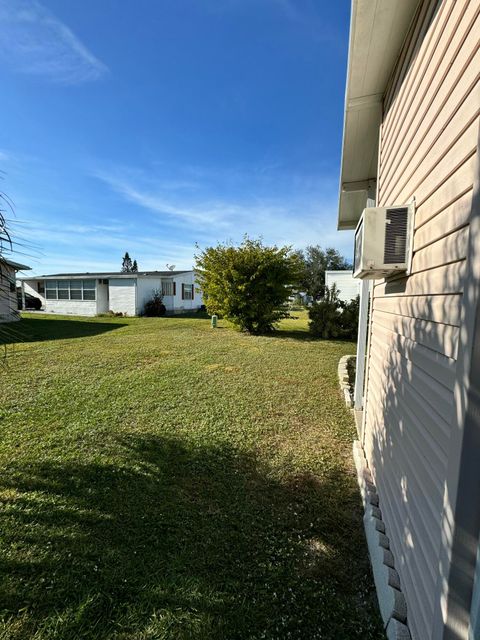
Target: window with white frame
{"x": 187, "y": 291}
{"x": 70, "y": 289}
{"x": 76, "y": 290}
{"x": 88, "y": 289}
{"x": 51, "y": 290}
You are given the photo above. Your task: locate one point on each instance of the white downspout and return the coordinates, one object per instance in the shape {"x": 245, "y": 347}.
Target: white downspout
{"x": 361, "y": 345}
{"x": 362, "y": 329}
{"x": 23, "y": 294}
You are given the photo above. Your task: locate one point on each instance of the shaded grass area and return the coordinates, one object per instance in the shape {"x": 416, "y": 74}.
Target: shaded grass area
{"x": 166, "y": 480}
{"x": 39, "y": 328}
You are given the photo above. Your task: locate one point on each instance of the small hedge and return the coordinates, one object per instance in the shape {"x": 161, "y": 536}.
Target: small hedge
{"x": 155, "y": 307}
{"x": 332, "y": 318}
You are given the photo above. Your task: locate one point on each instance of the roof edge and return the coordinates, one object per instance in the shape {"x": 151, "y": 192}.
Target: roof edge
{"x": 377, "y": 35}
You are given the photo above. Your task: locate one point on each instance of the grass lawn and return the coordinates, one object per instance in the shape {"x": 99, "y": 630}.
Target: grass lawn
{"x": 163, "y": 480}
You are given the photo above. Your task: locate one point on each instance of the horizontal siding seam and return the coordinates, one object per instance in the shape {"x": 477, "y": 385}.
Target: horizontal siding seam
{"x": 436, "y": 266}
{"x": 411, "y": 346}
{"x": 414, "y": 364}
{"x": 449, "y": 204}
{"x": 419, "y": 295}
{"x": 417, "y": 340}
{"x": 445, "y": 235}
{"x": 417, "y": 317}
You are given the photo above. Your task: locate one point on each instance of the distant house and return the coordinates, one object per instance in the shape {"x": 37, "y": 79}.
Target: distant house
{"x": 8, "y": 291}
{"x": 88, "y": 294}
{"x": 411, "y": 127}
{"x": 347, "y": 286}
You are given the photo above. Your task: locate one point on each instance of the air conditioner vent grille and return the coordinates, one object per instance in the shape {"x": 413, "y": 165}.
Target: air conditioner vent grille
{"x": 396, "y": 227}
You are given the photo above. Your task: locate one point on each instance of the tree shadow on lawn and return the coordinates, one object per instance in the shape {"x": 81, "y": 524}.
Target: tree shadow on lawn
{"x": 305, "y": 336}
{"x": 182, "y": 542}
{"x": 43, "y": 329}
{"x": 292, "y": 334}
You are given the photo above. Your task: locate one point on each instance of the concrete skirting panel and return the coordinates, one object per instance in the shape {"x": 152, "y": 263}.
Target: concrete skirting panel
{"x": 391, "y": 600}
{"x": 344, "y": 380}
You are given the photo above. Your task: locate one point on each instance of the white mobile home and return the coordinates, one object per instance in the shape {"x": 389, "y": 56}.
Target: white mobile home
{"x": 347, "y": 286}
{"x": 411, "y": 128}
{"x": 8, "y": 290}
{"x": 88, "y": 294}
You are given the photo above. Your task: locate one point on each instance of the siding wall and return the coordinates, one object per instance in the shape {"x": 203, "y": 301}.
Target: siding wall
{"x": 348, "y": 286}
{"x": 72, "y": 307}
{"x": 146, "y": 287}
{"x": 64, "y": 307}
{"x": 8, "y": 299}
{"x": 180, "y": 305}
{"x": 122, "y": 295}
{"x": 428, "y": 141}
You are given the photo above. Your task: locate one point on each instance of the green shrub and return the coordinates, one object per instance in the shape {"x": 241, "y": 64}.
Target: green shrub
{"x": 332, "y": 318}
{"x": 325, "y": 315}
{"x": 155, "y": 307}
{"x": 250, "y": 285}
{"x": 349, "y": 318}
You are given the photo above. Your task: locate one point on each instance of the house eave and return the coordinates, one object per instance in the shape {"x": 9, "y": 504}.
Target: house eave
{"x": 17, "y": 266}
{"x": 377, "y": 32}
{"x": 106, "y": 275}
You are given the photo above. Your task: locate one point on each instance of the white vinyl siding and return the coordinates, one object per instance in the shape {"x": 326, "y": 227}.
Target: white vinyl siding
{"x": 8, "y": 295}
{"x": 427, "y": 147}
{"x": 122, "y": 295}
{"x": 348, "y": 287}
{"x": 72, "y": 307}
{"x": 146, "y": 288}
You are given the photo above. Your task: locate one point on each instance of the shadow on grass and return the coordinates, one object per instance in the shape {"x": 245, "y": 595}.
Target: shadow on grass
{"x": 41, "y": 329}
{"x": 178, "y": 542}
{"x": 291, "y": 334}
{"x": 189, "y": 315}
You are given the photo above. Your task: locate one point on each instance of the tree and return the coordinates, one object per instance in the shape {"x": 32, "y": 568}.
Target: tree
{"x": 250, "y": 284}
{"x": 134, "y": 267}
{"x": 126, "y": 263}
{"x": 315, "y": 262}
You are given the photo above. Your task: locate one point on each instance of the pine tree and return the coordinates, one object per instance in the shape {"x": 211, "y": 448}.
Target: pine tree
{"x": 126, "y": 263}
{"x": 134, "y": 267}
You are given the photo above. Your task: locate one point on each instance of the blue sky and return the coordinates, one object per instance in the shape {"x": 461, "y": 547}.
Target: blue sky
{"x": 152, "y": 125}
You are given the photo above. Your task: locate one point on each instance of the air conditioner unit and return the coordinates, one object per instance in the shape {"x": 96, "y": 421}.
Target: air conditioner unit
{"x": 383, "y": 242}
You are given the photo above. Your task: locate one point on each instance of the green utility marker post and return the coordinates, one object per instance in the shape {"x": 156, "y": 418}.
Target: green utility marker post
{"x": 214, "y": 322}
